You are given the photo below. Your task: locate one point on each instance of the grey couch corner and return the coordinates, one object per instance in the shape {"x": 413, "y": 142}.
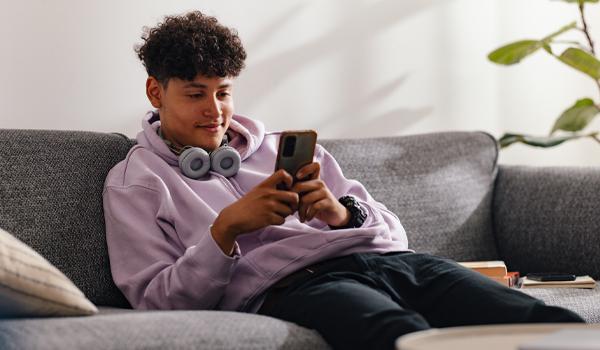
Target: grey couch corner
{"x": 447, "y": 189}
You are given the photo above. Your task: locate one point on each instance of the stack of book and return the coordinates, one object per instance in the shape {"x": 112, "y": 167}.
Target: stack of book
{"x": 496, "y": 270}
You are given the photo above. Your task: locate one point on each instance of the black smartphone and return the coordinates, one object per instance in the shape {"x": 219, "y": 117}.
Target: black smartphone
{"x": 296, "y": 149}
{"x": 550, "y": 276}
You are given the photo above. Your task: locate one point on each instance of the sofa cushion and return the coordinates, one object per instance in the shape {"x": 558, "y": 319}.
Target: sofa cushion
{"x": 439, "y": 185}
{"x": 159, "y": 330}
{"x": 30, "y": 286}
{"x": 584, "y": 302}
{"x": 51, "y": 199}
{"x": 548, "y": 219}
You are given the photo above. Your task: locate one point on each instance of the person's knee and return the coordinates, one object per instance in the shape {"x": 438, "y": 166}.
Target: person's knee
{"x": 542, "y": 313}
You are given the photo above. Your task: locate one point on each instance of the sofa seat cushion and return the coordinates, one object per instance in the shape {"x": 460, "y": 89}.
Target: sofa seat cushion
{"x": 584, "y": 302}
{"x": 158, "y": 330}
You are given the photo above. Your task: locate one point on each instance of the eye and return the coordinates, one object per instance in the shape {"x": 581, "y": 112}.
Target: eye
{"x": 195, "y": 95}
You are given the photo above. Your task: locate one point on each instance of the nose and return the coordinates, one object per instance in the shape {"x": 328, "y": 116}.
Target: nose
{"x": 213, "y": 107}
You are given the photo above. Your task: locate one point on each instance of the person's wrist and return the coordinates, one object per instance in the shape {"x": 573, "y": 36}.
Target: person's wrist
{"x": 223, "y": 237}
{"x": 357, "y": 215}
{"x": 347, "y": 216}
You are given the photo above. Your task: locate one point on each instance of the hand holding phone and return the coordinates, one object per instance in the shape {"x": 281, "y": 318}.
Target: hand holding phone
{"x": 296, "y": 149}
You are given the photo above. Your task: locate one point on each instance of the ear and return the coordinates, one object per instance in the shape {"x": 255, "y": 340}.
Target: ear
{"x": 154, "y": 91}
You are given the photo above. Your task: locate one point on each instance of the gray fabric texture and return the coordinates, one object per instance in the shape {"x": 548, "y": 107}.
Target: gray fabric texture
{"x": 584, "y": 302}
{"x": 439, "y": 185}
{"x": 547, "y": 219}
{"x": 51, "y": 199}
{"x": 159, "y": 330}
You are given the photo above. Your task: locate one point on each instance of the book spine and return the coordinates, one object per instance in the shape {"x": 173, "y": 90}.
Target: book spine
{"x": 492, "y": 271}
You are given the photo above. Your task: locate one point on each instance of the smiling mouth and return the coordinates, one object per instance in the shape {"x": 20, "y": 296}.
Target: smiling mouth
{"x": 213, "y": 128}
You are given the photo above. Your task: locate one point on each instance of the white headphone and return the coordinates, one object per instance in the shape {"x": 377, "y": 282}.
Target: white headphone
{"x": 195, "y": 161}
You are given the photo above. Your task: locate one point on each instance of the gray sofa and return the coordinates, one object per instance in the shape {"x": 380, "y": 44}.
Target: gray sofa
{"x": 446, "y": 188}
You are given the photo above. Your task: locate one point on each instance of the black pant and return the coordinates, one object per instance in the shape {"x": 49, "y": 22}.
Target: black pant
{"x": 367, "y": 300}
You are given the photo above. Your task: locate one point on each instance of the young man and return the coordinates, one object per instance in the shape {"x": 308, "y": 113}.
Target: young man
{"x": 322, "y": 254}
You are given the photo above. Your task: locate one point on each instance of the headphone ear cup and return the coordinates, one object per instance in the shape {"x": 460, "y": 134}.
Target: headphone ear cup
{"x": 225, "y": 160}
{"x": 194, "y": 162}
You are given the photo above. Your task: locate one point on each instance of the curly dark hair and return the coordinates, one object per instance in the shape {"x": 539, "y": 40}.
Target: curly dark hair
{"x": 183, "y": 46}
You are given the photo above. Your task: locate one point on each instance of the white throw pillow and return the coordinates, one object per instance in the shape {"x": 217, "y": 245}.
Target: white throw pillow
{"x": 30, "y": 286}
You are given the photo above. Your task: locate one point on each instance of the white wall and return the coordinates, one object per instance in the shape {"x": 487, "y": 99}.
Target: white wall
{"x": 345, "y": 68}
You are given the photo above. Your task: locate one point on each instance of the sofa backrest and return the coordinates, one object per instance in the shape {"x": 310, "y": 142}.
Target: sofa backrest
{"x": 51, "y": 199}
{"x": 547, "y": 219}
{"x": 440, "y": 186}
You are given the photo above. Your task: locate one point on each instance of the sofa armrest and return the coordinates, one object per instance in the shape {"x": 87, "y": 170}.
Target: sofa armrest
{"x": 547, "y": 219}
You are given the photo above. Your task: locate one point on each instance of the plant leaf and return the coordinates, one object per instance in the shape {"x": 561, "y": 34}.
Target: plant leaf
{"x": 542, "y": 141}
{"x": 515, "y": 52}
{"x": 581, "y": 61}
{"x": 549, "y": 38}
{"x": 577, "y": 117}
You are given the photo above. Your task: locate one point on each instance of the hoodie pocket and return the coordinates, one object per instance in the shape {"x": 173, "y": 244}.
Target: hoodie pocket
{"x": 274, "y": 234}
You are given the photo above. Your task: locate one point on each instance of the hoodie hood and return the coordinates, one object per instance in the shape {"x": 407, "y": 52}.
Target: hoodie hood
{"x": 245, "y": 135}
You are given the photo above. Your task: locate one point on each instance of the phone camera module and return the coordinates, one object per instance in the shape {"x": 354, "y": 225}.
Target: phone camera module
{"x": 289, "y": 146}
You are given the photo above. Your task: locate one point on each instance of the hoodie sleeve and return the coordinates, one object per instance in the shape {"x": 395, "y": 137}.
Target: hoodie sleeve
{"x": 377, "y": 213}
{"x": 149, "y": 263}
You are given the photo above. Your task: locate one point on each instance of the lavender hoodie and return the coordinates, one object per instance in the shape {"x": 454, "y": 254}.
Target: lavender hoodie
{"x": 158, "y": 223}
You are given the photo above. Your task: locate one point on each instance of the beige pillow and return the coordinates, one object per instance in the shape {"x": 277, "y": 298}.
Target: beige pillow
{"x": 31, "y": 286}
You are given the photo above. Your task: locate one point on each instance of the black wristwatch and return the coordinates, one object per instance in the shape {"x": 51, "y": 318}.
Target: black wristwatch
{"x": 358, "y": 214}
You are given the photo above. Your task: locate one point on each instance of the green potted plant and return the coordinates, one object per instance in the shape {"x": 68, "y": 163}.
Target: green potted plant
{"x": 579, "y": 56}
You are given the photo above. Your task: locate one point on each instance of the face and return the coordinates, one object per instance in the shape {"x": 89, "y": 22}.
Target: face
{"x": 193, "y": 113}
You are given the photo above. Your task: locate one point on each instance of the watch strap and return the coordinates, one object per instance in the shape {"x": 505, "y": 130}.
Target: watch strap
{"x": 358, "y": 214}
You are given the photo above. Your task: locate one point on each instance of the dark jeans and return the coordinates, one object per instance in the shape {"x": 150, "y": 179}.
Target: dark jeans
{"x": 367, "y": 300}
